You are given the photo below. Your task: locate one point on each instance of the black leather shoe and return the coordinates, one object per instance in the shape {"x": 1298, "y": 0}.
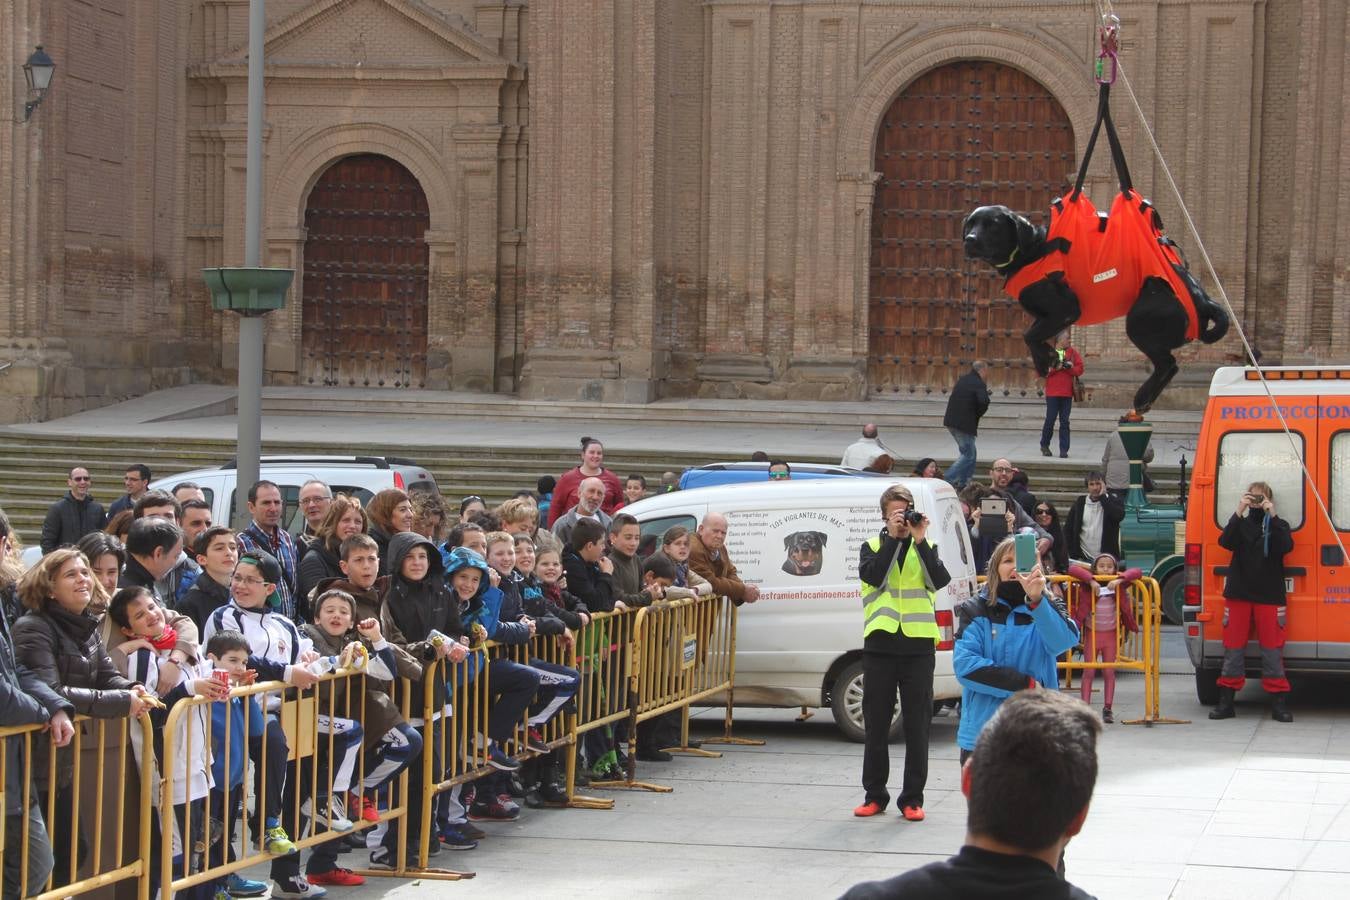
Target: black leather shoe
{"x": 1279, "y": 709}
{"x": 1225, "y": 709}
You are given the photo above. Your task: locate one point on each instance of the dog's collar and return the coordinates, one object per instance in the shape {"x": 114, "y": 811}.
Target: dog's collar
{"x": 1011, "y": 257}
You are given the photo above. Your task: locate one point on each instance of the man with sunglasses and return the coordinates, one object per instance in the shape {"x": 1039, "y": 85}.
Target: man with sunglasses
{"x": 74, "y": 515}
{"x": 779, "y": 470}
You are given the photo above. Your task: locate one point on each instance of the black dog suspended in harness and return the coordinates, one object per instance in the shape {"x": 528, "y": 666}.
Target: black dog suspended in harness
{"x": 1089, "y": 267}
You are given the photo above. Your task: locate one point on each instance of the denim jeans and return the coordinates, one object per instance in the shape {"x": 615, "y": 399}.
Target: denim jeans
{"x": 959, "y": 472}
{"x": 1057, "y": 407}
{"x": 40, "y": 859}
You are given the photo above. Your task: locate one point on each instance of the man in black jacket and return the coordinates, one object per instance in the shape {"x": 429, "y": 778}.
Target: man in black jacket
{"x": 26, "y": 700}
{"x": 1016, "y": 825}
{"x": 1254, "y": 593}
{"x": 74, "y": 515}
{"x": 1093, "y": 525}
{"x": 967, "y": 404}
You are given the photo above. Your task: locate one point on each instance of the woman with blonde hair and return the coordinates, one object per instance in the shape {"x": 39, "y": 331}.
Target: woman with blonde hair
{"x": 58, "y": 640}
{"x": 519, "y": 515}
{"x": 1011, "y": 634}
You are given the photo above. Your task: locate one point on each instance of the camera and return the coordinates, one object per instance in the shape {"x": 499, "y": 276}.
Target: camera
{"x": 913, "y": 517}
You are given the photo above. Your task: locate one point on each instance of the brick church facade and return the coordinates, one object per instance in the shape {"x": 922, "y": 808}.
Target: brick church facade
{"x": 604, "y": 199}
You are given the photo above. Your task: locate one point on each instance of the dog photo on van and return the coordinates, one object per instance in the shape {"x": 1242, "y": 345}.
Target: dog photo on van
{"x": 805, "y": 550}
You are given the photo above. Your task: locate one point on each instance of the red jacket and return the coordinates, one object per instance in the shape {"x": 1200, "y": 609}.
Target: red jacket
{"x": 1059, "y": 383}
{"x": 1105, "y": 259}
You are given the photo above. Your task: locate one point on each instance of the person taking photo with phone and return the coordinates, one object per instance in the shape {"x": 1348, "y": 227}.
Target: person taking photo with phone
{"x": 1010, "y": 635}
{"x": 900, "y": 573}
{"x": 1254, "y": 594}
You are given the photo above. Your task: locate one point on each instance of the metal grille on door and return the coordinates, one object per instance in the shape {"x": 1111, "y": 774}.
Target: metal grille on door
{"x": 364, "y": 319}
{"x": 962, "y": 135}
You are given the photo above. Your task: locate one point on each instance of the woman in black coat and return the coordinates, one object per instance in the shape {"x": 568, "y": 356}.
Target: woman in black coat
{"x": 345, "y": 518}
{"x": 57, "y": 639}
{"x": 1047, "y": 517}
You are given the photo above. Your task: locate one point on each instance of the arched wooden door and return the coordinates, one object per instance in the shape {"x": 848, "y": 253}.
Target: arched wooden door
{"x": 364, "y": 319}
{"x": 962, "y": 135}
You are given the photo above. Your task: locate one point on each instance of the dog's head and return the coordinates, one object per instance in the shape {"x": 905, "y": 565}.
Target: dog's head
{"x": 995, "y": 233}
{"x": 804, "y": 548}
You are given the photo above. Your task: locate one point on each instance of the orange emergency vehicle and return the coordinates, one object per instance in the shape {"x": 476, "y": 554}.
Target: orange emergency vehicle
{"x": 1242, "y": 441}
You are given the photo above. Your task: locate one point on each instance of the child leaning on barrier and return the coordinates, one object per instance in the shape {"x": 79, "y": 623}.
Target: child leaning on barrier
{"x": 419, "y": 614}
{"x": 1101, "y": 610}
{"x": 278, "y": 652}
{"x": 563, "y": 605}
{"x": 675, "y": 547}
{"x": 624, "y": 536}
{"x": 391, "y": 743}
{"x": 346, "y": 703}
{"x": 144, "y": 658}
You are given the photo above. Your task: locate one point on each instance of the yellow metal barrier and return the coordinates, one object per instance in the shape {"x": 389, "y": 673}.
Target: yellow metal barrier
{"x": 96, "y": 764}
{"x": 310, "y": 719}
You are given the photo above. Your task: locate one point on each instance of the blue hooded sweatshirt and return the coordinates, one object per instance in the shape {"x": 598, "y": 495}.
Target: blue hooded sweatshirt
{"x": 1001, "y": 647}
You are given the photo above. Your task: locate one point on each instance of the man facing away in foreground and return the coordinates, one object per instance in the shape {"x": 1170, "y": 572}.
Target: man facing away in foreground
{"x": 1028, "y": 786}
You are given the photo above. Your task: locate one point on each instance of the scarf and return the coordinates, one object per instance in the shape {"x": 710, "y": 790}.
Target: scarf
{"x": 165, "y": 641}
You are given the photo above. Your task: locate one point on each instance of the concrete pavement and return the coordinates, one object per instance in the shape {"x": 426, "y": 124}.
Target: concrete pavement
{"x": 1246, "y": 808}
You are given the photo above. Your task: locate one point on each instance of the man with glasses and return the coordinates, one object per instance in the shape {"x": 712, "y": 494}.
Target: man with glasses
{"x": 1001, "y": 485}
{"x": 315, "y": 498}
{"x": 74, "y": 515}
{"x": 137, "y": 482}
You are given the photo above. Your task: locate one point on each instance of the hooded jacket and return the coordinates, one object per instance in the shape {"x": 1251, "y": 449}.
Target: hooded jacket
{"x": 590, "y": 585}
{"x": 411, "y": 610}
{"x": 1001, "y": 648}
{"x": 274, "y": 641}
{"x": 64, "y": 651}
{"x": 484, "y": 607}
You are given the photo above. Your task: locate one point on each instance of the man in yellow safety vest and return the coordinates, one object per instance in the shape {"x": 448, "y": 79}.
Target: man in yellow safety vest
{"x": 900, "y": 570}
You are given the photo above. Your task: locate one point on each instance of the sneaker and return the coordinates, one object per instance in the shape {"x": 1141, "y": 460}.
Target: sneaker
{"x": 381, "y": 858}
{"x": 339, "y": 876}
{"x": 470, "y": 831}
{"x": 278, "y": 842}
{"x": 454, "y": 839}
{"x": 607, "y": 771}
{"x": 1107, "y": 715}
{"x": 499, "y": 809}
{"x": 338, "y": 821}
{"x": 237, "y": 885}
{"x": 365, "y": 807}
{"x": 534, "y": 739}
{"x": 297, "y": 886}
{"x": 870, "y": 808}
{"x": 500, "y": 761}
{"x": 912, "y": 813}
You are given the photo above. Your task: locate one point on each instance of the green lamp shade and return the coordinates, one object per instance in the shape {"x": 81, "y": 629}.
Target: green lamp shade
{"x": 248, "y": 290}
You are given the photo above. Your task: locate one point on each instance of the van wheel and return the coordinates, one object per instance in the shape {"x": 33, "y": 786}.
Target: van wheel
{"x": 1173, "y": 592}
{"x": 846, "y": 704}
{"x": 1207, "y": 686}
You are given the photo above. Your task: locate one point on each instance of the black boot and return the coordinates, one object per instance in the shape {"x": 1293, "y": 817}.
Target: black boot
{"x": 1225, "y": 708}
{"x": 1279, "y": 710}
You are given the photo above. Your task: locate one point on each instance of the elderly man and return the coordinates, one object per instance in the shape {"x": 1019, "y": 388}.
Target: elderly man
{"x": 315, "y": 498}
{"x": 590, "y": 497}
{"x": 708, "y": 557}
{"x": 864, "y": 451}
{"x": 74, "y": 515}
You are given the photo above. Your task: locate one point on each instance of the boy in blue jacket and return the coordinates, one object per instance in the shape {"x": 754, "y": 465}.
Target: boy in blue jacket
{"x": 1011, "y": 635}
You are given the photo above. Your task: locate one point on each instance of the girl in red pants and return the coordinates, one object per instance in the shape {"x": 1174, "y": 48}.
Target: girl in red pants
{"x": 1100, "y": 611}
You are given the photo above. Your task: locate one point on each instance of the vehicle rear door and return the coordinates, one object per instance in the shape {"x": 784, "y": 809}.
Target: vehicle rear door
{"x": 1332, "y": 567}
{"x": 1253, "y": 449}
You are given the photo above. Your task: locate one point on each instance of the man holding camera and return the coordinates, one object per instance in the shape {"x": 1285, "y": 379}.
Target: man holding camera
{"x": 1254, "y": 592}
{"x": 900, "y": 572}
{"x": 1067, "y": 366}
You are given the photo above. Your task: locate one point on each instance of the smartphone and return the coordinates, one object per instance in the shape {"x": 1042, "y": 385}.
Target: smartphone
{"x": 1024, "y": 547}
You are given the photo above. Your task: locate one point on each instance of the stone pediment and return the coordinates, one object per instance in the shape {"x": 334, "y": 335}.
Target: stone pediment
{"x": 378, "y": 34}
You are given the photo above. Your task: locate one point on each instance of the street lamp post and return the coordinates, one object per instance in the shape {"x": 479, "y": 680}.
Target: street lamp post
{"x": 251, "y": 290}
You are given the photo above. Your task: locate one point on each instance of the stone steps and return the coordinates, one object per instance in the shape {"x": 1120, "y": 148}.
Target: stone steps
{"x": 33, "y": 468}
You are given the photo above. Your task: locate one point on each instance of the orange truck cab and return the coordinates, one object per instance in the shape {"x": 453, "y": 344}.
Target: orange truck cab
{"x": 1242, "y": 441}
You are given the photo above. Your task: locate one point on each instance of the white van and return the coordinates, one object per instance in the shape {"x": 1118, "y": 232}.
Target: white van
{"x": 801, "y": 643}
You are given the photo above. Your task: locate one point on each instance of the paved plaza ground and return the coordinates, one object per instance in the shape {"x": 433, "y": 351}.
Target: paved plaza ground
{"x": 1246, "y": 809}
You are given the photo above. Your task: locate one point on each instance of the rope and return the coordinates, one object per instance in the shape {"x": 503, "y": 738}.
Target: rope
{"x": 1104, "y": 12}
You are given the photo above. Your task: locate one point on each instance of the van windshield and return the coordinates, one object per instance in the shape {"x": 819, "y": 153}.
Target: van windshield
{"x": 1248, "y": 456}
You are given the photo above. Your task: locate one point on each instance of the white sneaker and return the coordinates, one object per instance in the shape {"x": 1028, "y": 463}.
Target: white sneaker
{"x": 336, "y": 809}
{"x": 297, "y": 887}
